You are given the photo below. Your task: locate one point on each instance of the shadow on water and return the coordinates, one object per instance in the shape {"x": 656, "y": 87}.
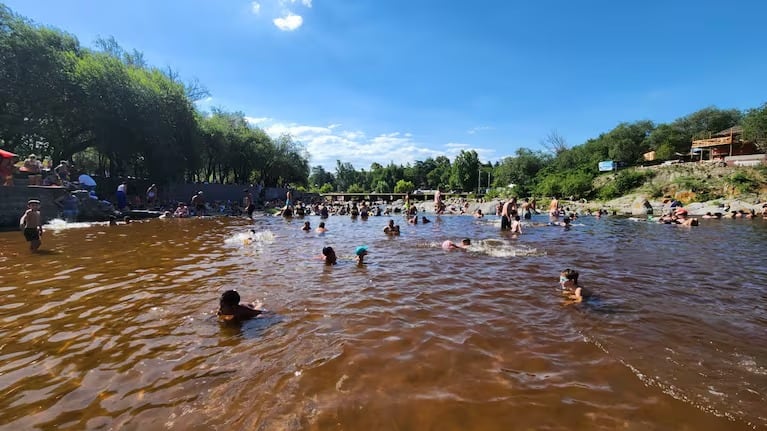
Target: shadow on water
{"x": 251, "y": 329}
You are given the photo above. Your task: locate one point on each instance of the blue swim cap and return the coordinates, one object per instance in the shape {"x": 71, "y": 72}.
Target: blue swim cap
{"x": 359, "y": 250}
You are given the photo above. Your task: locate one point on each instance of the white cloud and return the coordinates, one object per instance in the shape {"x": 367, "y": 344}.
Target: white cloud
{"x": 255, "y": 7}
{"x": 255, "y": 121}
{"x": 474, "y": 130}
{"x": 326, "y": 144}
{"x": 289, "y": 22}
{"x": 284, "y": 3}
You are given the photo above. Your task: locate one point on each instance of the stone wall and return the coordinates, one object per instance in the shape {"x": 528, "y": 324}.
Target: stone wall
{"x": 13, "y": 202}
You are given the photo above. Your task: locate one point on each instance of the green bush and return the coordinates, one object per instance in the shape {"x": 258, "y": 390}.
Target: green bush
{"x": 493, "y": 193}
{"x": 403, "y": 186}
{"x": 743, "y": 182}
{"x": 654, "y": 190}
{"x": 690, "y": 183}
{"x": 627, "y": 181}
{"x": 609, "y": 191}
{"x": 355, "y": 188}
{"x": 326, "y": 188}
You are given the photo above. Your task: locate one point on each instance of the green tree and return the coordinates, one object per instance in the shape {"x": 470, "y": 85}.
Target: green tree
{"x": 755, "y": 126}
{"x": 346, "y": 175}
{"x": 703, "y": 123}
{"x": 403, "y": 186}
{"x": 320, "y": 177}
{"x": 627, "y": 142}
{"x": 465, "y": 172}
{"x": 520, "y": 170}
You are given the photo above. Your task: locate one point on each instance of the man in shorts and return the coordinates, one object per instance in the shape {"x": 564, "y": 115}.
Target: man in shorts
{"x": 32, "y": 224}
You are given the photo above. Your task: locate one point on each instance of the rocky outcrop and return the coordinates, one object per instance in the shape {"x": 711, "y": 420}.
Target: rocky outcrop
{"x": 90, "y": 208}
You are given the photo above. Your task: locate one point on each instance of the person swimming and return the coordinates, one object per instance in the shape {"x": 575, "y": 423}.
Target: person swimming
{"x": 329, "y": 255}
{"x": 449, "y": 245}
{"x": 568, "y": 281}
{"x": 230, "y": 309}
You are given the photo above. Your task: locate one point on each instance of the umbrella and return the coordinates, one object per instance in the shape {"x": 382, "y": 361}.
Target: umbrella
{"x": 7, "y": 154}
{"x": 86, "y": 180}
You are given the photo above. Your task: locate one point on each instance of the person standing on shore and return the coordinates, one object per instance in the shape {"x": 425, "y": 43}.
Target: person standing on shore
{"x": 62, "y": 172}
{"x": 198, "y": 202}
{"x": 122, "y": 195}
{"x": 151, "y": 195}
{"x": 34, "y": 170}
{"x": 32, "y": 224}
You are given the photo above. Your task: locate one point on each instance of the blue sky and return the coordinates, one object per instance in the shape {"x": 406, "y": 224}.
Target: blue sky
{"x": 401, "y": 80}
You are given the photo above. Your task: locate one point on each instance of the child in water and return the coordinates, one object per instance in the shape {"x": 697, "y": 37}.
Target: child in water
{"x": 230, "y": 308}
{"x": 307, "y": 227}
{"x": 329, "y": 255}
{"x": 361, "y": 252}
{"x": 32, "y": 224}
{"x": 568, "y": 281}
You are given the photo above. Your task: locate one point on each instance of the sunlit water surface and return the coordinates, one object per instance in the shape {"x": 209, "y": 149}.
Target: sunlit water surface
{"x": 114, "y": 327}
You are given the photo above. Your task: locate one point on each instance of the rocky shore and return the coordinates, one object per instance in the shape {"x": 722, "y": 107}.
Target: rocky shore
{"x": 630, "y": 205}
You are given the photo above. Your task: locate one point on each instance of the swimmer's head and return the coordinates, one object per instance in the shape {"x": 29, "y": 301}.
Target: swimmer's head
{"x": 569, "y": 275}
{"x": 322, "y": 224}
{"x": 466, "y": 242}
{"x": 330, "y": 255}
{"x": 230, "y": 298}
{"x": 566, "y": 220}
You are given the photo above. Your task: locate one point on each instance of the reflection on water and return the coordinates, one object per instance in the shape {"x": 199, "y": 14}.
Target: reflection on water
{"x": 115, "y": 328}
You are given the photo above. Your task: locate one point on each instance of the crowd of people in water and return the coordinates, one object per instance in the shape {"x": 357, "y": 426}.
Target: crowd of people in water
{"x": 511, "y": 213}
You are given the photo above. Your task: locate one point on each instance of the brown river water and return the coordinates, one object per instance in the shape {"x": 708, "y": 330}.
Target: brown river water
{"x": 115, "y": 327}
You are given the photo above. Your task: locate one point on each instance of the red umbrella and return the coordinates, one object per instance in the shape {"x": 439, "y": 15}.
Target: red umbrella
{"x": 7, "y": 154}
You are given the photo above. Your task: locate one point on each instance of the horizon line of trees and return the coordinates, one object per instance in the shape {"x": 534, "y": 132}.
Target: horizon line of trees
{"x": 557, "y": 170}
{"x": 116, "y": 116}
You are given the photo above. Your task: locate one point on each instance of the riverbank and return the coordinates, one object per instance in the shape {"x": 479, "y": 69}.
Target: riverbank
{"x": 630, "y": 205}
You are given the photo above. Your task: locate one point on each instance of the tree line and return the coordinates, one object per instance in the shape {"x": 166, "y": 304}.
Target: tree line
{"x": 556, "y": 169}
{"x": 115, "y": 116}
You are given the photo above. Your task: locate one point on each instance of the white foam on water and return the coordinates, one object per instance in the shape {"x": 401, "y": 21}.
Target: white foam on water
{"x": 495, "y": 248}
{"x": 58, "y": 224}
{"x": 250, "y": 239}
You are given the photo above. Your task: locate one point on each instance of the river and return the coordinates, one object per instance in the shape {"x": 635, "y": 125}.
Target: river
{"x": 115, "y": 327}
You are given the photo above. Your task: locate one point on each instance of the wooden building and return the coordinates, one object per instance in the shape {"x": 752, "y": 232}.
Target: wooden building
{"x": 726, "y": 143}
